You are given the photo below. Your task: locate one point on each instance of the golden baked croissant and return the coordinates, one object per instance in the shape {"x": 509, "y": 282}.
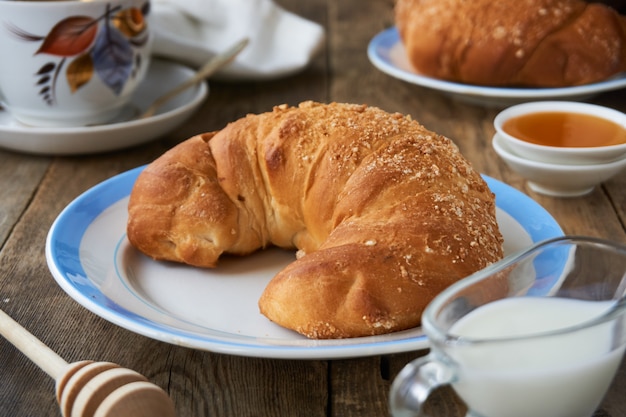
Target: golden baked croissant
{"x": 538, "y": 43}
{"x": 385, "y": 213}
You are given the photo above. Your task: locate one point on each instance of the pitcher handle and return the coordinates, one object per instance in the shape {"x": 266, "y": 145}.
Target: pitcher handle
{"x": 414, "y": 384}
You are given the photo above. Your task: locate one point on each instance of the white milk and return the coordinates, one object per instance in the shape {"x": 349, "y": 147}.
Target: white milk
{"x": 557, "y": 376}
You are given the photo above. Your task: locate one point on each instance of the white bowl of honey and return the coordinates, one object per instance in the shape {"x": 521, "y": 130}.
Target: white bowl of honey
{"x": 563, "y": 132}
{"x": 557, "y": 180}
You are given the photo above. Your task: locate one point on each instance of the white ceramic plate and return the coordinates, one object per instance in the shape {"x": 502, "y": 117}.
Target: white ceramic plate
{"x": 386, "y": 52}
{"x": 91, "y": 259}
{"x": 161, "y": 77}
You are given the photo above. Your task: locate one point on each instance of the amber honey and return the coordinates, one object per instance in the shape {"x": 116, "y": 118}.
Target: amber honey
{"x": 563, "y": 129}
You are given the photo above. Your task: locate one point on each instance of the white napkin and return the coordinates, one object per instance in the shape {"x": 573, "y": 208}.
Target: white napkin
{"x": 192, "y": 31}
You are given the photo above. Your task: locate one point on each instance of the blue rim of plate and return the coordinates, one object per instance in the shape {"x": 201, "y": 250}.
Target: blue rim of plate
{"x": 381, "y": 45}
{"x": 63, "y": 257}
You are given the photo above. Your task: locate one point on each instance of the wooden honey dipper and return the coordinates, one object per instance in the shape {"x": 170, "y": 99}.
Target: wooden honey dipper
{"x": 88, "y": 388}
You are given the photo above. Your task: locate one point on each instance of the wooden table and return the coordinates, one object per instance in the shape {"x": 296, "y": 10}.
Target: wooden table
{"x": 34, "y": 189}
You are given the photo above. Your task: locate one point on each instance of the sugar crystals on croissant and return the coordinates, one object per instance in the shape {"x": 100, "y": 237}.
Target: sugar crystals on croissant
{"x": 384, "y": 213}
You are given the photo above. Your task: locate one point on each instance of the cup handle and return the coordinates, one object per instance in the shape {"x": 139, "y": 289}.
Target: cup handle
{"x": 414, "y": 384}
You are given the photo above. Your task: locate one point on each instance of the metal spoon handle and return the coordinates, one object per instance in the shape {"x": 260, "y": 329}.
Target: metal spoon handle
{"x": 207, "y": 70}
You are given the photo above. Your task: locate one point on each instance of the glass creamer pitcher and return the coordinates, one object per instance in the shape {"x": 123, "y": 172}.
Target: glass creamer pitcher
{"x": 540, "y": 333}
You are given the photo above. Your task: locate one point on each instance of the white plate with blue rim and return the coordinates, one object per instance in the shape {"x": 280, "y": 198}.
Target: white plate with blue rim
{"x": 216, "y": 310}
{"x": 120, "y": 133}
{"x": 386, "y": 52}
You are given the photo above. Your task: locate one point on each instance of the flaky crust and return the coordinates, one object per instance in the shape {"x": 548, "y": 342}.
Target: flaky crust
{"x": 538, "y": 43}
{"x": 384, "y": 213}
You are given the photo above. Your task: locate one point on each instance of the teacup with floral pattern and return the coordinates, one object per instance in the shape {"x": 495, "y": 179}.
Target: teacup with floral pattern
{"x": 72, "y": 62}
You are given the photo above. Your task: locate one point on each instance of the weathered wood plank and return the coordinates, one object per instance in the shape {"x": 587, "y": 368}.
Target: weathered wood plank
{"x": 20, "y": 176}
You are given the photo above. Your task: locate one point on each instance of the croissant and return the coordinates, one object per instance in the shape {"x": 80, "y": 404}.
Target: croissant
{"x": 533, "y": 43}
{"x": 384, "y": 213}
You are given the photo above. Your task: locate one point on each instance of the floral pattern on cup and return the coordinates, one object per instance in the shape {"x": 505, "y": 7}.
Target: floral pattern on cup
{"x": 89, "y": 47}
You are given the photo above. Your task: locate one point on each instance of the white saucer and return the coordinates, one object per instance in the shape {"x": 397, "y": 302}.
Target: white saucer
{"x": 161, "y": 77}
{"x": 386, "y": 53}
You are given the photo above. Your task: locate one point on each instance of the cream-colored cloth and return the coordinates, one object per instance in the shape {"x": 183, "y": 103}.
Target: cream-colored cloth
{"x": 192, "y": 31}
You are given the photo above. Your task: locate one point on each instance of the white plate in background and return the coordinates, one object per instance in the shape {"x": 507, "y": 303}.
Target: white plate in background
{"x": 386, "y": 52}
